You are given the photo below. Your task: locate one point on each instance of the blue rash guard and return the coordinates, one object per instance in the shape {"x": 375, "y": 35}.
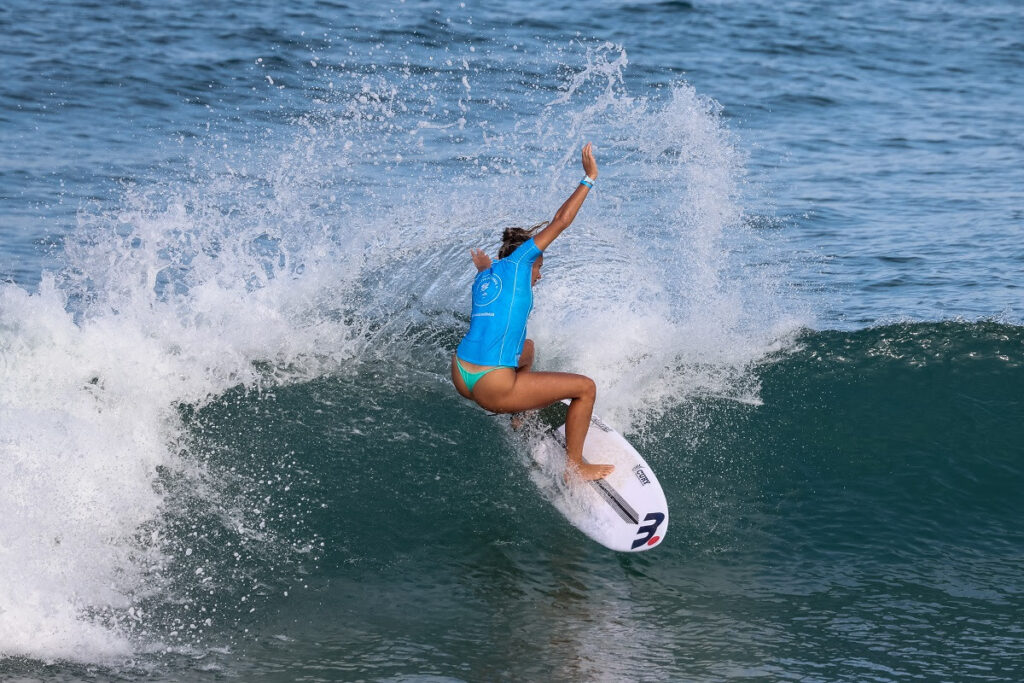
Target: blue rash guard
{"x": 502, "y": 301}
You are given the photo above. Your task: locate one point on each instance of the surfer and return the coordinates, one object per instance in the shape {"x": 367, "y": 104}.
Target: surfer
{"x": 493, "y": 363}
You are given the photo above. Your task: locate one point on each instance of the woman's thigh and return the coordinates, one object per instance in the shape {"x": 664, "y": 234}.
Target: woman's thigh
{"x": 531, "y": 390}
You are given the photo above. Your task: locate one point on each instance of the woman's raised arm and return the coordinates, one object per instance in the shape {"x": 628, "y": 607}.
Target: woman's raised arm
{"x": 567, "y": 212}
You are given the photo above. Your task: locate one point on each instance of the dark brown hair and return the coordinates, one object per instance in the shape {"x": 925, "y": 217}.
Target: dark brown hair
{"x": 511, "y": 238}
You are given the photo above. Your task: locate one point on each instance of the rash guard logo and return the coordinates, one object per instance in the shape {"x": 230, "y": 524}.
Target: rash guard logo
{"x": 486, "y": 289}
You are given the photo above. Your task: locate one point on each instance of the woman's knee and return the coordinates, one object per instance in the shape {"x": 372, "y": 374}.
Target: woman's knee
{"x": 588, "y": 388}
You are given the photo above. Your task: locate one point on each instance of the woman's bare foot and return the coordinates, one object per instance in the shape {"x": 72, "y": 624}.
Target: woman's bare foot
{"x": 587, "y": 472}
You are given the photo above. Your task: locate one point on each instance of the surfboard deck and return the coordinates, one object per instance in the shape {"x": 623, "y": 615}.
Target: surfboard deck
{"x": 626, "y": 511}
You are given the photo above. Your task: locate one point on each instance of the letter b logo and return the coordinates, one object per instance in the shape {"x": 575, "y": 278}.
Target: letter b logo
{"x": 648, "y": 530}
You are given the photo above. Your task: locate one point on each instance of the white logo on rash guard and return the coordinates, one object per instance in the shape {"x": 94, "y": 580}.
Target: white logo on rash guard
{"x": 487, "y": 289}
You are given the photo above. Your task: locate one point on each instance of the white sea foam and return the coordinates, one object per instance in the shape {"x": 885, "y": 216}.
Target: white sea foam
{"x": 82, "y": 413}
{"x": 174, "y": 303}
{"x": 88, "y": 415}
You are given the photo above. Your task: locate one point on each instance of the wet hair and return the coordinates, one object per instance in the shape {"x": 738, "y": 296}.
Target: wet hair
{"x": 511, "y": 238}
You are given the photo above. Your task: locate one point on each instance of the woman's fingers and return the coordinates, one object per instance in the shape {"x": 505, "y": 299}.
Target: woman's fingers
{"x": 480, "y": 259}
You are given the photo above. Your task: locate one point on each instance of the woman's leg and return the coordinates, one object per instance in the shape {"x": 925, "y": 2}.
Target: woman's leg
{"x": 525, "y": 365}
{"x": 533, "y": 390}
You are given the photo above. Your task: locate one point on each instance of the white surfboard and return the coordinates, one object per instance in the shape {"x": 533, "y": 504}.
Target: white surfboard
{"x": 625, "y": 511}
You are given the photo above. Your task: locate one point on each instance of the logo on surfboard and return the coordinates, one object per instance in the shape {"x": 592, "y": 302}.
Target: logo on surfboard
{"x": 648, "y": 530}
{"x": 638, "y": 470}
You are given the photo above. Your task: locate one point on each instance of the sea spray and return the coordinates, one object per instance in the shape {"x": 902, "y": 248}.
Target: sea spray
{"x": 660, "y": 290}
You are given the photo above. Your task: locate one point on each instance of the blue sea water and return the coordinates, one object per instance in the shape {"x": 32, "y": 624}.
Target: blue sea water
{"x": 234, "y": 262}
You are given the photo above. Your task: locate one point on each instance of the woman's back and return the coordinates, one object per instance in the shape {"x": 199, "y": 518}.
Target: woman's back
{"x": 502, "y": 300}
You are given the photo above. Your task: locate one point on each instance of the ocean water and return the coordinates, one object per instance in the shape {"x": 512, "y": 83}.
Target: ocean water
{"x": 234, "y": 263}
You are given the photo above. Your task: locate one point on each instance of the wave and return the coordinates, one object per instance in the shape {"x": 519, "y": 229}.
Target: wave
{"x": 888, "y": 439}
{"x": 279, "y": 260}
{"x": 233, "y": 371}
{"x": 896, "y": 444}
{"x": 898, "y": 441}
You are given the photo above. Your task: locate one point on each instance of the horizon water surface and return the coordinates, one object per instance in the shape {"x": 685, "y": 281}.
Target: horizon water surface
{"x": 234, "y": 263}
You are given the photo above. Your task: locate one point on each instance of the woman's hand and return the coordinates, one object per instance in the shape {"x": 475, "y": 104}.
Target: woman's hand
{"x": 589, "y": 163}
{"x": 481, "y": 260}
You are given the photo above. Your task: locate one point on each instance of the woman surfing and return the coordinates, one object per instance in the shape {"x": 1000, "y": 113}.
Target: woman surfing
{"x": 493, "y": 364}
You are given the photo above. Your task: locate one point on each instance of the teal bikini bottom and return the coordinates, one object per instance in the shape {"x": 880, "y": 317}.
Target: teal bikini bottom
{"x": 471, "y": 378}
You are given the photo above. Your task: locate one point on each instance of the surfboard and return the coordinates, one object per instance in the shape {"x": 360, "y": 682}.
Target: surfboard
{"x": 626, "y": 511}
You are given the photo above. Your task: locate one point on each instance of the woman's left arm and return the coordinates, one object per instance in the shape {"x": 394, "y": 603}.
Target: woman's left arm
{"x": 566, "y": 213}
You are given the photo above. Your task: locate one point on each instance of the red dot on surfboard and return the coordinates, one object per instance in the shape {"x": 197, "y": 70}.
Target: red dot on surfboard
{"x": 654, "y": 540}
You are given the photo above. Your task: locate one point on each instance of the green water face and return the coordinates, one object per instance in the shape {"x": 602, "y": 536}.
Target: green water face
{"x": 859, "y": 523}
